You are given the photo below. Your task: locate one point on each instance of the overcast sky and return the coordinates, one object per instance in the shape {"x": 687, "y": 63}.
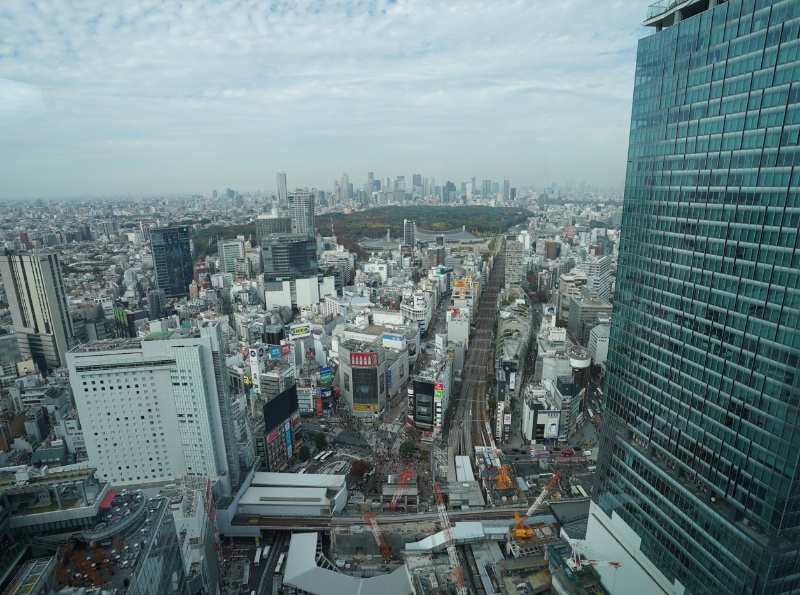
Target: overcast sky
{"x": 143, "y": 97}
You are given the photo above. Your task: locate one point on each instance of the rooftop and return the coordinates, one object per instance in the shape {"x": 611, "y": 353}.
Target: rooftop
{"x": 666, "y": 13}
{"x": 303, "y": 573}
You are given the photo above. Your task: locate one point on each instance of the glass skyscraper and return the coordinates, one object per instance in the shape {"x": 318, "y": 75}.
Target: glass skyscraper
{"x": 172, "y": 259}
{"x": 699, "y": 462}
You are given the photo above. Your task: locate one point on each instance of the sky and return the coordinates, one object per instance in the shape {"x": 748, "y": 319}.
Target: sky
{"x": 144, "y": 97}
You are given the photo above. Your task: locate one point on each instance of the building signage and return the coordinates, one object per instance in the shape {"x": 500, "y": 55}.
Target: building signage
{"x": 389, "y": 378}
{"x": 286, "y": 349}
{"x": 365, "y": 407}
{"x": 363, "y": 360}
{"x": 507, "y": 419}
{"x": 289, "y": 439}
{"x": 325, "y": 374}
{"x": 512, "y": 381}
{"x": 275, "y": 352}
{"x": 273, "y": 435}
{"x": 298, "y": 331}
{"x": 394, "y": 341}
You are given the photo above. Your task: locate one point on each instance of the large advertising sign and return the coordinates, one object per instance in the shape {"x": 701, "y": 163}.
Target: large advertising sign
{"x": 275, "y": 352}
{"x": 286, "y": 349}
{"x": 298, "y": 331}
{"x": 365, "y": 407}
{"x": 325, "y": 374}
{"x": 364, "y": 360}
{"x": 507, "y": 419}
{"x": 550, "y": 421}
{"x": 273, "y": 435}
{"x": 394, "y": 341}
{"x": 512, "y": 381}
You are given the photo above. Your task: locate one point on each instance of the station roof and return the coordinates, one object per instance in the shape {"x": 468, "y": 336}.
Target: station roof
{"x": 280, "y": 496}
{"x": 303, "y": 573}
{"x": 295, "y": 480}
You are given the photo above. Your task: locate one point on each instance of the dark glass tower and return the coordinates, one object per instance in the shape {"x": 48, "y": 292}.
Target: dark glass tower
{"x": 172, "y": 258}
{"x": 701, "y": 446}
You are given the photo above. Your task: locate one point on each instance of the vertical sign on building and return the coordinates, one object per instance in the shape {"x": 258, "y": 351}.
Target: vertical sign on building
{"x": 438, "y": 393}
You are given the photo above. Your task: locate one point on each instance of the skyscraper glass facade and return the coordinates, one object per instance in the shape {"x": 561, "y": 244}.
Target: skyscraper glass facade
{"x": 701, "y": 446}
{"x": 172, "y": 258}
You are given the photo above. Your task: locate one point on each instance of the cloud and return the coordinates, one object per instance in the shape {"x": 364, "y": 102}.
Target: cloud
{"x": 315, "y": 87}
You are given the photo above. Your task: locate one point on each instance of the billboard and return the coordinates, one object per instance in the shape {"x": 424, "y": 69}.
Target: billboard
{"x": 364, "y": 360}
{"x": 389, "y": 378}
{"x": 288, "y": 439}
{"x": 273, "y": 435}
{"x": 275, "y": 352}
{"x": 325, "y": 374}
{"x": 394, "y": 341}
{"x": 365, "y": 407}
{"x": 286, "y": 349}
{"x": 550, "y": 421}
{"x": 512, "y": 381}
{"x": 507, "y": 419}
{"x": 460, "y": 284}
{"x": 298, "y": 331}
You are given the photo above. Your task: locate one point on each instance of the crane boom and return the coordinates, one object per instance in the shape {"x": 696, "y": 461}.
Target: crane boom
{"x": 543, "y": 495}
{"x": 372, "y": 521}
{"x": 401, "y": 487}
{"x": 455, "y": 566}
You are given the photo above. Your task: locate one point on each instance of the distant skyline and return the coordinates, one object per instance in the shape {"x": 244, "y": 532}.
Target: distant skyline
{"x": 145, "y": 98}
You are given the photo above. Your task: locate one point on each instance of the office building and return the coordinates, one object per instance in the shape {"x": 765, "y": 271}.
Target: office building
{"x": 288, "y": 256}
{"x": 38, "y": 303}
{"x": 282, "y": 188}
{"x": 301, "y": 212}
{"x": 158, "y": 408}
{"x": 515, "y": 262}
{"x": 172, "y": 258}
{"x": 585, "y": 314}
{"x": 409, "y": 233}
{"x": 267, "y": 225}
{"x": 698, "y": 465}
{"x": 229, "y": 251}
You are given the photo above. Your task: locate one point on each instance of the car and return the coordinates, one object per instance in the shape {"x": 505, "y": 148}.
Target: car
{"x": 587, "y": 452}
{"x": 567, "y": 452}
{"x": 515, "y": 450}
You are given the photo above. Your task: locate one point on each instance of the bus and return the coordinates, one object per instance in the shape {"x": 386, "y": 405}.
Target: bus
{"x": 279, "y": 565}
{"x": 257, "y": 559}
{"x": 318, "y": 458}
{"x": 301, "y": 471}
{"x": 326, "y": 456}
{"x": 265, "y": 553}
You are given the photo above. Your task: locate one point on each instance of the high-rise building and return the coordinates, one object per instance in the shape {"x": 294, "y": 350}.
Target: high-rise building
{"x": 486, "y": 188}
{"x": 268, "y": 224}
{"x": 228, "y": 251}
{"x": 288, "y": 256}
{"x": 156, "y": 409}
{"x": 38, "y": 302}
{"x": 172, "y": 258}
{"x": 515, "y": 261}
{"x": 698, "y": 467}
{"x": 282, "y": 188}
{"x": 301, "y": 212}
{"x": 156, "y": 304}
{"x": 371, "y": 181}
{"x": 506, "y": 188}
{"x": 409, "y": 232}
{"x": 344, "y": 188}
{"x": 416, "y": 180}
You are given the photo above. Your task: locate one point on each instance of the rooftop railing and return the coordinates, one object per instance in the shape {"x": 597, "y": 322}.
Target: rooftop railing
{"x": 662, "y": 6}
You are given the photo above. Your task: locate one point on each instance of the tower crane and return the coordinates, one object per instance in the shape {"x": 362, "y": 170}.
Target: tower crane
{"x": 405, "y": 476}
{"x": 372, "y": 521}
{"x": 520, "y": 529}
{"x": 455, "y": 567}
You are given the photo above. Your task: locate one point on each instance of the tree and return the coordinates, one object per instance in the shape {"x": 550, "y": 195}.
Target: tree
{"x": 320, "y": 441}
{"x": 360, "y": 467}
{"x": 406, "y": 449}
{"x": 304, "y": 453}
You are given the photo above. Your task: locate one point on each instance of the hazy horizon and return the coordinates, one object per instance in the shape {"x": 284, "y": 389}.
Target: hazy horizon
{"x": 153, "y": 99}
